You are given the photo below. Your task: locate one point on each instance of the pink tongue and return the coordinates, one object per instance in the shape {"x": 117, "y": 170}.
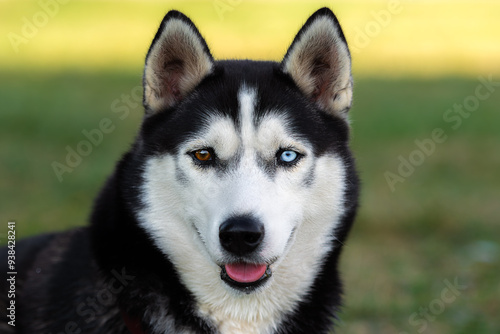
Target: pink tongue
{"x": 245, "y": 272}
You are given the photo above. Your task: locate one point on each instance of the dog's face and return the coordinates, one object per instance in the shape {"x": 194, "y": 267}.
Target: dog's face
{"x": 239, "y": 186}
{"x": 245, "y": 163}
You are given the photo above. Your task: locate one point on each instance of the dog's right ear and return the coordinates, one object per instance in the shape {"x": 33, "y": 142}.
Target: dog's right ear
{"x": 177, "y": 60}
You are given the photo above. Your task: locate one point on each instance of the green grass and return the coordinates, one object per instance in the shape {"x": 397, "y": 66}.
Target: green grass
{"x": 441, "y": 223}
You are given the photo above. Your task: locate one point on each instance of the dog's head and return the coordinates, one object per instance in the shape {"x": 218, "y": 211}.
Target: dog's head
{"x": 245, "y": 164}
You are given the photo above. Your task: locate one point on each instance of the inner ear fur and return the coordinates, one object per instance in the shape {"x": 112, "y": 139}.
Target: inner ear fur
{"x": 319, "y": 62}
{"x": 176, "y": 63}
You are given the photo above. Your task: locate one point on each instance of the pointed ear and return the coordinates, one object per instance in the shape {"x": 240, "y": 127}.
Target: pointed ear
{"x": 177, "y": 61}
{"x": 320, "y": 64}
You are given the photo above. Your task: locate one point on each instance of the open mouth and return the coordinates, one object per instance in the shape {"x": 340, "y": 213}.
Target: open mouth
{"x": 245, "y": 276}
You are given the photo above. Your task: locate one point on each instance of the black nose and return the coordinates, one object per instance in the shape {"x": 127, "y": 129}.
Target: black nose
{"x": 241, "y": 235}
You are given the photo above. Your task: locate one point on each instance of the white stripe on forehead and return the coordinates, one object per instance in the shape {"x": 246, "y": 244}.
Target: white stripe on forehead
{"x": 269, "y": 135}
{"x": 247, "y": 100}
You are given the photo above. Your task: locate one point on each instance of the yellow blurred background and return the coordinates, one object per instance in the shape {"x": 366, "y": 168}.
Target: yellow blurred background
{"x": 387, "y": 37}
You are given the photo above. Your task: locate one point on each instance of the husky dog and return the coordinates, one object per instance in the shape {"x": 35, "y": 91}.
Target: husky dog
{"x": 229, "y": 212}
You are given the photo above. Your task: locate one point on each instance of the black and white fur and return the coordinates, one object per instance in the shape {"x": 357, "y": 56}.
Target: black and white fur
{"x": 153, "y": 252}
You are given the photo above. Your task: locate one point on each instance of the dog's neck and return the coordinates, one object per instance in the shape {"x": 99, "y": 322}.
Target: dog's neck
{"x": 133, "y": 323}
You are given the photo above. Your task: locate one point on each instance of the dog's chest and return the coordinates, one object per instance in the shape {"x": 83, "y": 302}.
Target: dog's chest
{"x": 230, "y": 326}
{"x": 226, "y": 324}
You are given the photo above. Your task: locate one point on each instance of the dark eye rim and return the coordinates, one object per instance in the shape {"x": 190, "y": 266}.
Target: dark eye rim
{"x": 208, "y": 162}
{"x": 288, "y": 163}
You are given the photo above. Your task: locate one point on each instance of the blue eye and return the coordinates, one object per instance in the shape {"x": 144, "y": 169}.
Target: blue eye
{"x": 288, "y": 156}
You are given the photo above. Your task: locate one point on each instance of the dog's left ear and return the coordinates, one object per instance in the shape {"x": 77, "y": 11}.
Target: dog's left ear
{"x": 176, "y": 63}
{"x": 320, "y": 64}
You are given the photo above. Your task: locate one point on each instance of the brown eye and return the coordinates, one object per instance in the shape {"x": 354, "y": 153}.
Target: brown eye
{"x": 203, "y": 155}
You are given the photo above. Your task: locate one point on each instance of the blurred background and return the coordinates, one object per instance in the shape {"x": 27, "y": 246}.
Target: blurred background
{"x": 424, "y": 253}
